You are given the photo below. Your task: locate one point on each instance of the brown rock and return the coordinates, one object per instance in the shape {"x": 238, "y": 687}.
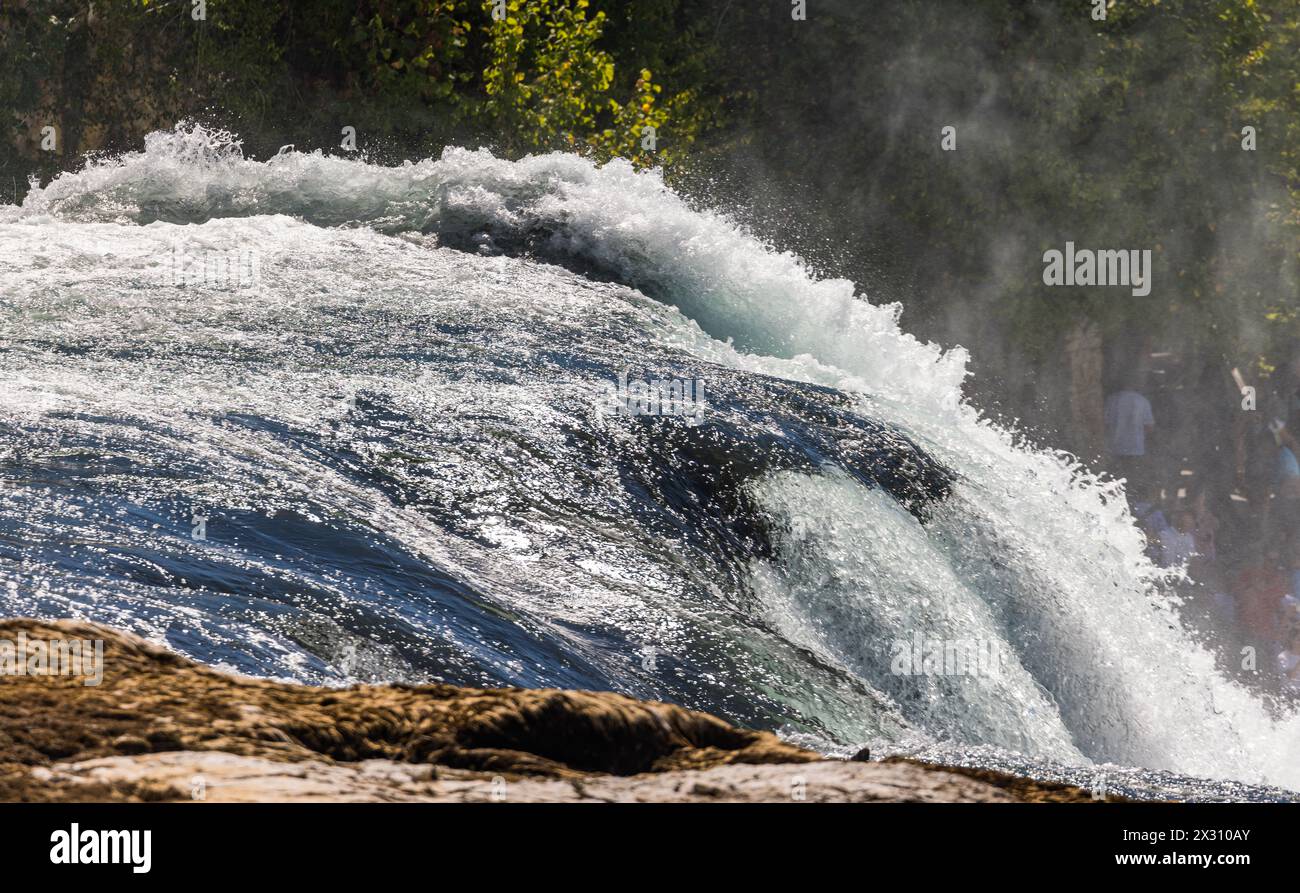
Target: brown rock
{"x": 160, "y": 727}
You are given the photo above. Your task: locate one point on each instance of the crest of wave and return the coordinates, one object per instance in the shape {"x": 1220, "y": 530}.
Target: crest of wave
{"x": 626, "y": 223}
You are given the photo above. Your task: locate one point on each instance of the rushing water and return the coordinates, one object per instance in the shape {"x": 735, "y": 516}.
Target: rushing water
{"x": 317, "y": 419}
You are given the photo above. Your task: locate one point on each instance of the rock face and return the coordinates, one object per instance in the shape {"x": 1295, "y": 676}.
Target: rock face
{"x": 160, "y": 727}
{"x": 227, "y": 778}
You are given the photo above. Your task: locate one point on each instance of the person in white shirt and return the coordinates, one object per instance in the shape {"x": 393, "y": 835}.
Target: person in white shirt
{"x": 1128, "y": 421}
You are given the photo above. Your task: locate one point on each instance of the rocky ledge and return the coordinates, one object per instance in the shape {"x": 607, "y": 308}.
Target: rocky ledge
{"x": 158, "y": 726}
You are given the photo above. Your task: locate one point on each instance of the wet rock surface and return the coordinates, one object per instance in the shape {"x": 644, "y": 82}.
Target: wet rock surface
{"x": 160, "y": 727}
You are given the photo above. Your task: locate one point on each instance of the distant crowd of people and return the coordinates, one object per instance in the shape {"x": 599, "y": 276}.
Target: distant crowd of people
{"x": 1232, "y": 519}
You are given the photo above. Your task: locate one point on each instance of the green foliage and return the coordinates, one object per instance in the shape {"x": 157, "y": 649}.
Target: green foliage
{"x": 415, "y": 50}
{"x": 545, "y": 74}
{"x": 531, "y": 80}
{"x": 404, "y": 72}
